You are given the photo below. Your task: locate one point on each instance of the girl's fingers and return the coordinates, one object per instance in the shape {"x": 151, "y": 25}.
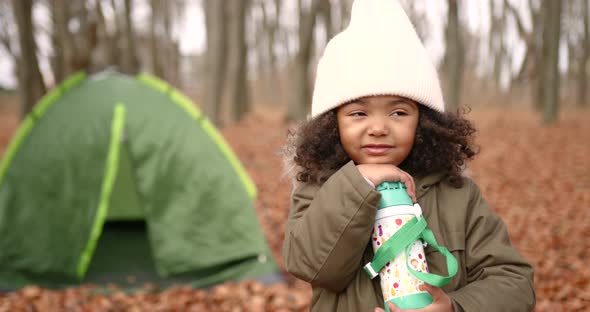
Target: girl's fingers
{"x": 436, "y": 293}
{"x": 409, "y": 182}
{"x": 393, "y": 307}
{"x": 412, "y": 188}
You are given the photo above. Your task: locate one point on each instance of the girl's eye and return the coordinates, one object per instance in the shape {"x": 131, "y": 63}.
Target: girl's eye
{"x": 357, "y": 114}
{"x": 399, "y": 113}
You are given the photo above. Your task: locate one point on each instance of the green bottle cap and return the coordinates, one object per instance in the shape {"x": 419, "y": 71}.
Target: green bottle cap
{"x": 393, "y": 194}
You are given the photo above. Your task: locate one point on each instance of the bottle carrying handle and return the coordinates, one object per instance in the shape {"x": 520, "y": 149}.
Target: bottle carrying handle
{"x": 430, "y": 278}
{"x": 404, "y": 238}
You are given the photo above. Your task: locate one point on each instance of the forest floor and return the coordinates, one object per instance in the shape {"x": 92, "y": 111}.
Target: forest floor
{"x": 537, "y": 178}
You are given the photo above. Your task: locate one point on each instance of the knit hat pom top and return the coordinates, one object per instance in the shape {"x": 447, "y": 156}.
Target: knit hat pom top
{"x": 379, "y": 53}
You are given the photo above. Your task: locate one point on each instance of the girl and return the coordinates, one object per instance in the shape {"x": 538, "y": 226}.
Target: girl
{"x": 378, "y": 115}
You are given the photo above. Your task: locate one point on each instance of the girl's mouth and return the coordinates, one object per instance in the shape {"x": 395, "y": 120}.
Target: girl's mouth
{"x": 377, "y": 149}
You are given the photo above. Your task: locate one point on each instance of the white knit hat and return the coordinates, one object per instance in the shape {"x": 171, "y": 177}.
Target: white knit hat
{"x": 379, "y": 53}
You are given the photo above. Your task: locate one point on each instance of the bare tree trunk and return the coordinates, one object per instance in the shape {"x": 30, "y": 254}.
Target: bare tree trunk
{"x": 88, "y": 36}
{"x": 326, "y": 14}
{"x": 454, "y": 55}
{"x": 30, "y": 82}
{"x": 166, "y": 40}
{"x": 175, "y": 13}
{"x": 237, "y": 80}
{"x": 131, "y": 60}
{"x": 550, "y": 75}
{"x": 496, "y": 43}
{"x": 288, "y": 50}
{"x": 101, "y": 54}
{"x": 585, "y": 55}
{"x": 101, "y": 21}
{"x": 215, "y": 57}
{"x": 7, "y": 19}
{"x": 531, "y": 66}
{"x": 300, "y": 89}
{"x": 271, "y": 26}
{"x": 154, "y": 39}
{"x": 57, "y": 59}
{"x": 169, "y": 51}
{"x": 83, "y": 39}
{"x": 260, "y": 30}
{"x": 175, "y": 64}
{"x": 572, "y": 17}
{"x": 116, "y": 50}
{"x": 65, "y": 49}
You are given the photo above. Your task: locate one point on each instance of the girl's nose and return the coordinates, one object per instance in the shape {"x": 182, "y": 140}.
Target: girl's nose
{"x": 378, "y": 128}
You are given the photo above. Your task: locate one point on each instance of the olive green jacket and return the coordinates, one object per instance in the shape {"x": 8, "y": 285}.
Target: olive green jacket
{"x": 327, "y": 244}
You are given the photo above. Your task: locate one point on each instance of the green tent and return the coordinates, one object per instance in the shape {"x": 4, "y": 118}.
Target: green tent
{"x": 121, "y": 179}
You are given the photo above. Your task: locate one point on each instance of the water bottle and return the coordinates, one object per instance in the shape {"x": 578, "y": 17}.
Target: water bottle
{"x": 398, "y": 284}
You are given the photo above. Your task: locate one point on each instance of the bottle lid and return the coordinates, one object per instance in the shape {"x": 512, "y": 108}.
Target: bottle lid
{"x": 393, "y": 194}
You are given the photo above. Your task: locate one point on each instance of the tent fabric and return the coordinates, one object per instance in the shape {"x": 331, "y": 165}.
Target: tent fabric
{"x": 110, "y": 174}
{"x": 113, "y": 147}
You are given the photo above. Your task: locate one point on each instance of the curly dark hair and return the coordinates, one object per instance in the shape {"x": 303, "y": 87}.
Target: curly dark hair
{"x": 443, "y": 143}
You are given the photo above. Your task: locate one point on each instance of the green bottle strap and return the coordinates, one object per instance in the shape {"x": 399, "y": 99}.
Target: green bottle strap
{"x": 430, "y": 278}
{"x": 404, "y": 238}
{"x": 395, "y": 244}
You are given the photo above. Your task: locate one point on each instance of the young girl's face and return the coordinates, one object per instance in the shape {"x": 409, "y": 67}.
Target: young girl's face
{"x": 378, "y": 129}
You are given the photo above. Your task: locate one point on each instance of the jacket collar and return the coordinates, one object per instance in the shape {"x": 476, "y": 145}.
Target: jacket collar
{"x": 423, "y": 184}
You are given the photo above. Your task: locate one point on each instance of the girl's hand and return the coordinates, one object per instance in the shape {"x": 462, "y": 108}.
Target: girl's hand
{"x": 378, "y": 173}
{"x": 441, "y": 302}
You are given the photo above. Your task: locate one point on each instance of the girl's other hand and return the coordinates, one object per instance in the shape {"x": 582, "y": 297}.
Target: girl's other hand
{"x": 441, "y": 302}
{"x": 378, "y": 173}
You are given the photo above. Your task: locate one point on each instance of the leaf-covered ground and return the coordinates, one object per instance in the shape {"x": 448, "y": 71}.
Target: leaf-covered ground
{"x": 537, "y": 178}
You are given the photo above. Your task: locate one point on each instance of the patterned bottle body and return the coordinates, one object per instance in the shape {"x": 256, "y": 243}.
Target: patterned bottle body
{"x": 397, "y": 283}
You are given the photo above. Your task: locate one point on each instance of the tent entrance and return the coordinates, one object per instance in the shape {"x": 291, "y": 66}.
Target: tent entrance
{"x": 123, "y": 256}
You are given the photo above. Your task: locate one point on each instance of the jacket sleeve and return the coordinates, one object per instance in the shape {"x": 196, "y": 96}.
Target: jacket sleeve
{"x": 498, "y": 278}
{"x": 329, "y": 228}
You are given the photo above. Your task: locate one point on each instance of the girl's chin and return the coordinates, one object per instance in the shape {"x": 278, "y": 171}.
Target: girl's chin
{"x": 377, "y": 162}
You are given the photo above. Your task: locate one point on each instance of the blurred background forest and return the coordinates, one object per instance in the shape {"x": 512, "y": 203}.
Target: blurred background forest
{"x": 520, "y": 65}
{"x": 234, "y": 57}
